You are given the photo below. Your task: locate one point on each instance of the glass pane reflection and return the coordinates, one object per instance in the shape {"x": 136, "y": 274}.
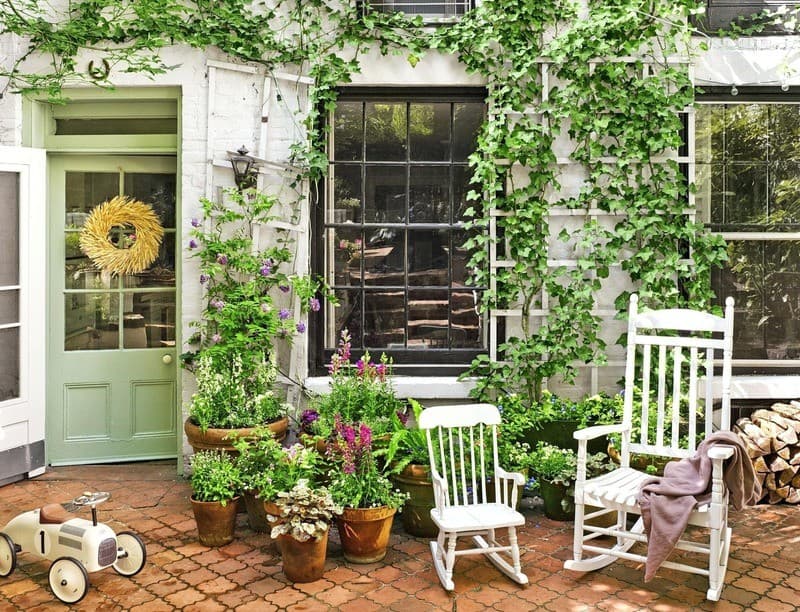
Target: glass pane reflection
{"x": 348, "y": 131}
{"x": 466, "y": 330}
{"x": 429, "y": 195}
{"x": 91, "y": 321}
{"x": 9, "y": 307}
{"x": 428, "y": 318}
{"x": 384, "y": 319}
{"x": 161, "y": 272}
{"x": 9, "y": 363}
{"x": 429, "y": 131}
{"x": 151, "y": 321}
{"x": 428, "y": 257}
{"x": 9, "y": 228}
{"x": 386, "y": 131}
{"x": 157, "y": 190}
{"x": 385, "y": 194}
{"x": 347, "y": 315}
{"x": 84, "y": 191}
{"x": 346, "y": 193}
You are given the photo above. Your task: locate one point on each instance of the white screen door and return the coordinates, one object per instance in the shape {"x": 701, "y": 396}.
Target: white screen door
{"x": 22, "y": 312}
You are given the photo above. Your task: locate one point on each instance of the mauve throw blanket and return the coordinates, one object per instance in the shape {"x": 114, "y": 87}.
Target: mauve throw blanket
{"x": 666, "y": 502}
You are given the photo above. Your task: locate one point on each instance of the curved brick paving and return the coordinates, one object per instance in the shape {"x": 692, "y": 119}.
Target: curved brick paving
{"x": 181, "y": 574}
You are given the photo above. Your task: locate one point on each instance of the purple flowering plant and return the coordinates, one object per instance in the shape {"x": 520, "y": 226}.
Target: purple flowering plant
{"x": 357, "y": 479}
{"x": 361, "y": 392}
{"x": 243, "y": 326}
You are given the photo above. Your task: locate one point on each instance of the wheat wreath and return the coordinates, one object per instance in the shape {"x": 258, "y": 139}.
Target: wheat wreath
{"x": 119, "y": 212}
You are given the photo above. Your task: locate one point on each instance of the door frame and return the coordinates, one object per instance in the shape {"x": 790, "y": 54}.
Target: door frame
{"x": 38, "y": 127}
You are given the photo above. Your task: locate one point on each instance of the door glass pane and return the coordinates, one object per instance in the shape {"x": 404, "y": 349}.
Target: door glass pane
{"x": 9, "y": 307}
{"x": 151, "y": 321}
{"x": 84, "y": 191}
{"x": 161, "y": 272}
{"x": 386, "y": 131}
{"x": 157, "y": 190}
{"x": 91, "y": 321}
{"x": 9, "y": 228}
{"x": 9, "y": 364}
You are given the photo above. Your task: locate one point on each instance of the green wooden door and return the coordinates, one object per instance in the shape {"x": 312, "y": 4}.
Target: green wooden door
{"x": 112, "y": 355}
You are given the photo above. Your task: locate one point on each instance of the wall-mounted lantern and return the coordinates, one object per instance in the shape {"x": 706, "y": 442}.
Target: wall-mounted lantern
{"x": 244, "y": 168}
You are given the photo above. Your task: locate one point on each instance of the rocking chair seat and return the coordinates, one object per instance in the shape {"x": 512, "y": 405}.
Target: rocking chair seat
{"x": 476, "y": 517}
{"x": 619, "y": 490}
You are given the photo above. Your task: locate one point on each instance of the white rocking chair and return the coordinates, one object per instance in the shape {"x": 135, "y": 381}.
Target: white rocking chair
{"x": 462, "y": 445}
{"x": 672, "y": 333}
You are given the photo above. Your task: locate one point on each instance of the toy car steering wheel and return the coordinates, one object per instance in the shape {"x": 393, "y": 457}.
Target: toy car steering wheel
{"x": 91, "y": 499}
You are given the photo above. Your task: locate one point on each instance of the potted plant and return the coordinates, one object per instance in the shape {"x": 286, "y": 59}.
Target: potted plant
{"x": 269, "y": 468}
{"x": 554, "y": 471}
{"x": 365, "y": 492}
{"x": 360, "y": 392}
{"x": 302, "y": 530}
{"x": 216, "y": 483}
{"x": 245, "y": 289}
{"x": 407, "y": 457}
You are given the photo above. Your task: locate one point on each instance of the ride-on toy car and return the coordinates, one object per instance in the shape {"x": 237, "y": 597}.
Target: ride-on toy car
{"x": 74, "y": 545}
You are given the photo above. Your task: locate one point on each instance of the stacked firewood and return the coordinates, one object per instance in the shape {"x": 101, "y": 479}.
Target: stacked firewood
{"x": 772, "y": 438}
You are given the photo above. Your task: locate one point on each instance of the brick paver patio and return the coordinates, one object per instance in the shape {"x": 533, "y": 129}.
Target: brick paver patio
{"x": 181, "y": 574}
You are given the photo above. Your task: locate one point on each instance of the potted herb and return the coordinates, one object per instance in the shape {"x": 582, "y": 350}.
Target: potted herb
{"x": 360, "y": 392}
{"x": 365, "y": 492}
{"x": 268, "y": 468}
{"x": 302, "y": 529}
{"x": 247, "y": 292}
{"x": 407, "y": 457}
{"x": 216, "y": 482}
{"x": 554, "y": 471}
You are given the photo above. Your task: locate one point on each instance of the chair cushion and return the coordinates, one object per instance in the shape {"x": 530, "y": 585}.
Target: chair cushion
{"x": 619, "y": 490}
{"x": 474, "y": 517}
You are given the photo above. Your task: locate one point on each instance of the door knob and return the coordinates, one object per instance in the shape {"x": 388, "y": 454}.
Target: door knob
{"x": 167, "y": 359}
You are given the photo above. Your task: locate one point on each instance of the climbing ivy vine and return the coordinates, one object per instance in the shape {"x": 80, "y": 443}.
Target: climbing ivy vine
{"x": 614, "y": 95}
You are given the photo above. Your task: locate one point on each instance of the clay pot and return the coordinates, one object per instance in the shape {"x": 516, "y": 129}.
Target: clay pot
{"x": 256, "y": 514}
{"x": 303, "y": 561}
{"x": 222, "y": 439}
{"x": 215, "y": 522}
{"x": 552, "y": 495}
{"x": 364, "y": 533}
{"x": 416, "y": 513}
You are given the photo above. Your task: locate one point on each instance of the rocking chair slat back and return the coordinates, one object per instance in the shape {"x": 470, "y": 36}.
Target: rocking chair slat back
{"x": 680, "y": 362}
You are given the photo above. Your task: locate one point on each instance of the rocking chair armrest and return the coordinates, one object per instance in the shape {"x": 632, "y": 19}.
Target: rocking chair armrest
{"x": 720, "y": 452}
{"x": 590, "y": 433}
{"x": 518, "y": 478}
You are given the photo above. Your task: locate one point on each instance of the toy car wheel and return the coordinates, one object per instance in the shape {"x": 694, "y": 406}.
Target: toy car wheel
{"x": 131, "y": 554}
{"x": 8, "y": 555}
{"x": 68, "y": 580}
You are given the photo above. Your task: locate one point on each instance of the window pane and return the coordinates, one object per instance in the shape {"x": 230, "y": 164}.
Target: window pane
{"x": 161, "y": 272}
{"x": 784, "y": 196}
{"x": 710, "y": 198}
{"x": 9, "y": 307}
{"x": 384, "y": 257}
{"x": 346, "y": 193}
{"x": 384, "y": 319}
{"x": 745, "y": 193}
{"x": 348, "y": 131}
{"x": 746, "y": 132}
{"x": 91, "y": 321}
{"x": 460, "y": 258}
{"x": 428, "y": 260}
{"x": 467, "y": 121}
{"x": 9, "y": 364}
{"x": 784, "y": 132}
{"x": 157, "y": 190}
{"x": 84, "y": 191}
{"x": 9, "y": 229}
{"x": 709, "y": 133}
{"x": 347, "y": 255}
{"x": 140, "y": 125}
{"x": 386, "y": 131}
{"x": 466, "y": 330}
{"x": 385, "y": 194}
{"x": 347, "y": 315}
{"x": 428, "y": 318}
{"x": 429, "y": 200}
{"x": 430, "y": 131}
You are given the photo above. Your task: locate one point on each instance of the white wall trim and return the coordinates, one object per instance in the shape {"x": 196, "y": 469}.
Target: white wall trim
{"x": 417, "y": 387}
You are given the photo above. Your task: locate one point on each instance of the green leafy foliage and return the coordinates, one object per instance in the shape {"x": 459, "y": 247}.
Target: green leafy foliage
{"x": 215, "y": 477}
{"x": 306, "y": 512}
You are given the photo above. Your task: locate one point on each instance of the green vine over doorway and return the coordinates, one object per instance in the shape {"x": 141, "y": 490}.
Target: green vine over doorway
{"x": 606, "y": 113}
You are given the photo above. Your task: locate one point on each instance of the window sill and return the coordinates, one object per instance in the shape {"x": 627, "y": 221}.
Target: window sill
{"x": 417, "y": 387}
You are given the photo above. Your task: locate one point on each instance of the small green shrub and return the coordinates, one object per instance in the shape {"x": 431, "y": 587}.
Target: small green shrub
{"x": 215, "y": 477}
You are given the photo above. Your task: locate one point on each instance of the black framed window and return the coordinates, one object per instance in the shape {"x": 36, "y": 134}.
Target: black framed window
{"x": 390, "y": 237}
{"x": 721, "y": 14}
{"x": 748, "y": 191}
{"x": 430, "y": 10}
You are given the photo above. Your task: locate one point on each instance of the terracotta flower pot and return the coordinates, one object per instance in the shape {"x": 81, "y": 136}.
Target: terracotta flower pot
{"x": 364, "y": 533}
{"x": 256, "y": 514}
{"x": 215, "y": 522}
{"x": 303, "y": 561}
{"x": 222, "y": 439}
{"x": 416, "y": 514}
{"x": 552, "y": 495}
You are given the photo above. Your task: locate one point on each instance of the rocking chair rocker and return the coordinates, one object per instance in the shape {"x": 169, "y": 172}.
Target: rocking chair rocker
{"x": 668, "y": 428}
{"x": 462, "y": 445}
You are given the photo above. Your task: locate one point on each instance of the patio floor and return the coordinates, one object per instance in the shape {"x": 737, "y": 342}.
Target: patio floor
{"x": 181, "y": 574}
